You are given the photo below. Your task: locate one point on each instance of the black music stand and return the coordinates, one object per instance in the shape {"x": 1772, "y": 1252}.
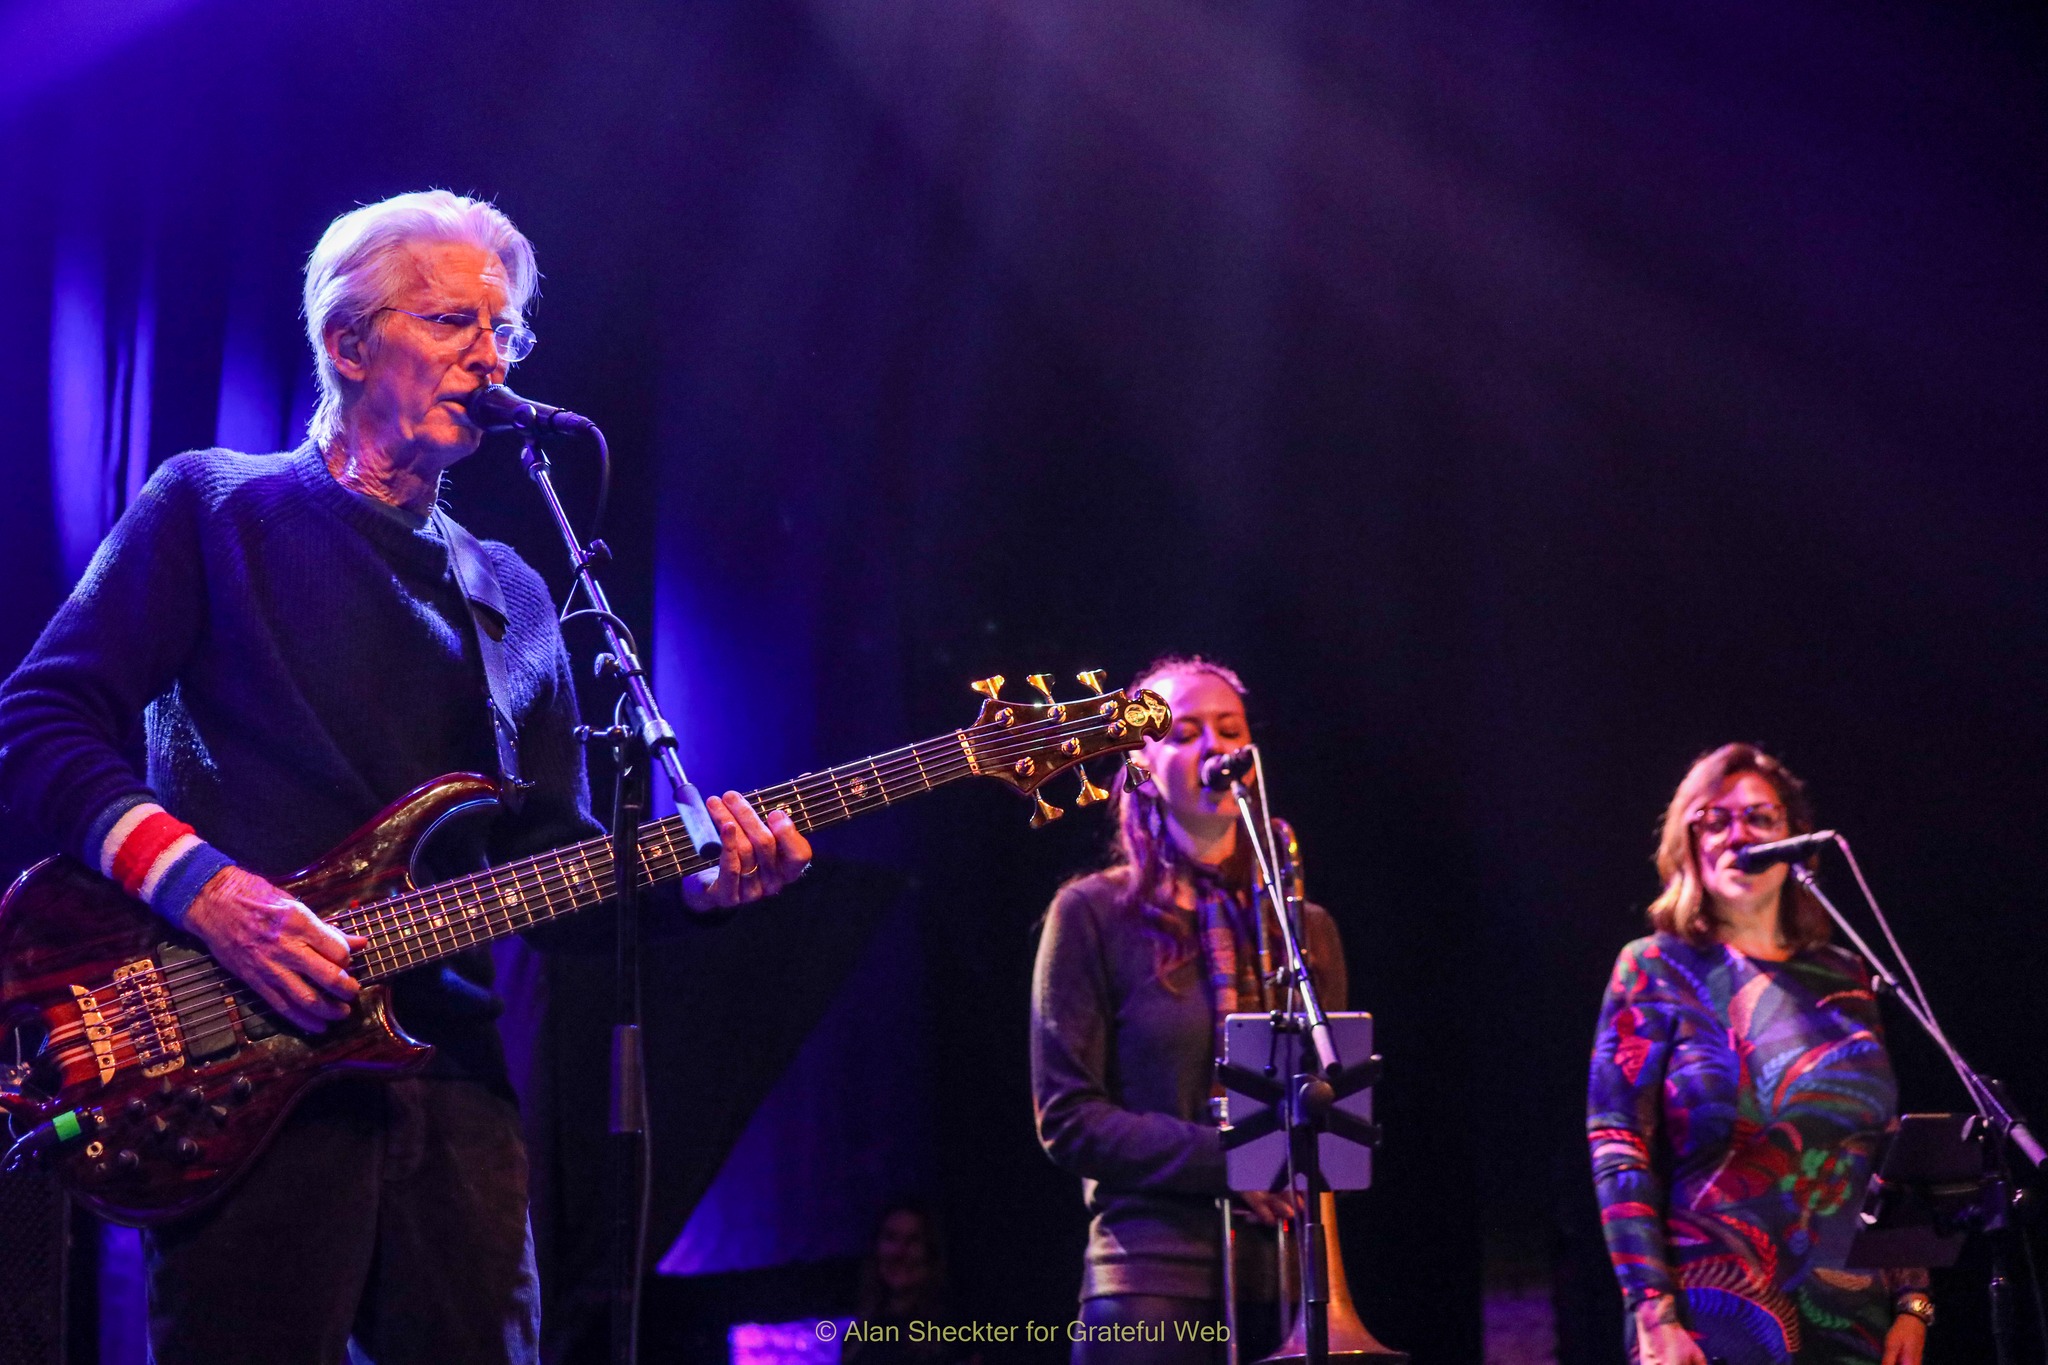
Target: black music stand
{"x": 1292, "y": 1118}
{"x": 1941, "y": 1179}
{"x": 1930, "y": 1191}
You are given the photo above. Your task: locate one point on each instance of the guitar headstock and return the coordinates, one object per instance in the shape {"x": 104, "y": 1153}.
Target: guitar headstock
{"x": 1022, "y": 743}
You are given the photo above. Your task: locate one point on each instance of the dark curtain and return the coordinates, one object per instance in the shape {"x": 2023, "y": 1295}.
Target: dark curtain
{"x": 1525, "y": 397}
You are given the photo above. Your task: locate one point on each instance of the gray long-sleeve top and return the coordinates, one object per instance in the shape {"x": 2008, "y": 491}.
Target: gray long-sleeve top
{"x": 1121, "y": 1071}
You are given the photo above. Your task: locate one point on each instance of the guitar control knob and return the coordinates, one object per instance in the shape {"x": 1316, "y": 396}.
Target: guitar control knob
{"x": 135, "y": 1111}
{"x": 187, "y": 1151}
{"x": 127, "y": 1160}
{"x": 239, "y": 1092}
{"x": 191, "y": 1097}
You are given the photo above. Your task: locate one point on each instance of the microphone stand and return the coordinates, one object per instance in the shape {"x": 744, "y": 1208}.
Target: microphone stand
{"x": 2006, "y": 1129}
{"x": 644, "y": 735}
{"x": 1310, "y": 1094}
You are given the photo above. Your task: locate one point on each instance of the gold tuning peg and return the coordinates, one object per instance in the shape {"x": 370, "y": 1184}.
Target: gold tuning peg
{"x": 1043, "y": 682}
{"x": 990, "y": 687}
{"x": 1045, "y": 814}
{"x": 1092, "y": 680}
{"x": 1090, "y": 793}
{"x": 1136, "y": 774}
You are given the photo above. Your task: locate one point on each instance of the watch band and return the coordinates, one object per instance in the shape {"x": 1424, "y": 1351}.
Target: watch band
{"x": 1915, "y": 1304}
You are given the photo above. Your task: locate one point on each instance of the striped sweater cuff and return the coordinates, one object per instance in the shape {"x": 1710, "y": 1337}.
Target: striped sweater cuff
{"x": 103, "y": 824}
{"x": 156, "y": 857}
{"x": 182, "y": 882}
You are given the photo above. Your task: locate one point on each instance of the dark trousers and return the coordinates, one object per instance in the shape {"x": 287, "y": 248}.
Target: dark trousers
{"x": 395, "y": 1214}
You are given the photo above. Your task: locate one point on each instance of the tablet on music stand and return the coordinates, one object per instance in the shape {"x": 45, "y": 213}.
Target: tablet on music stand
{"x": 1250, "y": 1042}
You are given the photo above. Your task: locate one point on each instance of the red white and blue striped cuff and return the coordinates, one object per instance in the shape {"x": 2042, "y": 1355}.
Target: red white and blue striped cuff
{"x": 156, "y": 858}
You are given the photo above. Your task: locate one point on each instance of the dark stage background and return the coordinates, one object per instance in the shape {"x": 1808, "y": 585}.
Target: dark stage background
{"x": 1525, "y": 396}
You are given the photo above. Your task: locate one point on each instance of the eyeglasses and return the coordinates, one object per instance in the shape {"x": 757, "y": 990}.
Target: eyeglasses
{"x": 515, "y": 339}
{"x": 1766, "y": 818}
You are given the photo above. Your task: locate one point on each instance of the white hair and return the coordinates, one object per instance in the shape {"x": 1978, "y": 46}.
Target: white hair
{"x": 361, "y": 265}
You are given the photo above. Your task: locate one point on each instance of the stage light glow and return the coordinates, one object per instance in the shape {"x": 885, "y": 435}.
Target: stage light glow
{"x": 810, "y": 1341}
{"x": 49, "y": 41}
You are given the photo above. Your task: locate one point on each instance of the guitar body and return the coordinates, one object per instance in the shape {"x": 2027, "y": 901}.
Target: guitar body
{"x": 166, "y": 1128}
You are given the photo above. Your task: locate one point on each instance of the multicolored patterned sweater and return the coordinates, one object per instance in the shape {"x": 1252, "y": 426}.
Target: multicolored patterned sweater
{"x": 1734, "y": 1109}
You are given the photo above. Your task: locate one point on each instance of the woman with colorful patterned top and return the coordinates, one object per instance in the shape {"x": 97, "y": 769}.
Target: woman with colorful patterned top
{"x": 1740, "y": 1087}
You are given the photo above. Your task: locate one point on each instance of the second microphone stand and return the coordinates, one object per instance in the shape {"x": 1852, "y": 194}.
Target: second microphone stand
{"x": 1306, "y": 1106}
{"x": 2000, "y": 1216}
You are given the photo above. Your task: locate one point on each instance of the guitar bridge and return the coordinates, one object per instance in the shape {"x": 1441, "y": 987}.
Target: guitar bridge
{"x": 98, "y": 1036}
{"x": 151, "y": 1017}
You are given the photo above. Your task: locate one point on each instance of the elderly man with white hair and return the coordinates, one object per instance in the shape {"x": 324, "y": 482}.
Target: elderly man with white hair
{"x": 291, "y": 635}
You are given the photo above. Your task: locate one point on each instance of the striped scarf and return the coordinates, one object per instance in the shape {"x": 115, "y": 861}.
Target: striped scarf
{"x": 1230, "y": 951}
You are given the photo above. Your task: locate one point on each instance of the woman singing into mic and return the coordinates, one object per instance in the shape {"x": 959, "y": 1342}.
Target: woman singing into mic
{"x": 1739, "y": 1089}
{"x": 1137, "y": 967}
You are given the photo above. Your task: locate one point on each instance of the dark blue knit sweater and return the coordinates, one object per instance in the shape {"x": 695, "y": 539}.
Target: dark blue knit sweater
{"x": 292, "y": 656}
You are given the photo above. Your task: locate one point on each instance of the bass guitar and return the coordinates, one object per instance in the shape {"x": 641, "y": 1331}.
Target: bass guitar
{"x": 148, "y": 1079}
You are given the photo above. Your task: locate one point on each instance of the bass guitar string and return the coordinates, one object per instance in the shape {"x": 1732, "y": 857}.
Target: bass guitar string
{"x": 597, "y": 853}
{"x": 200, "y": 978}
{"x": 897, "y": 764}
{"x": 900, "y": 763}
{"x": 371, "y": 919}
{"x": 1015, "y": 742}
{"x": 586, "y": 887}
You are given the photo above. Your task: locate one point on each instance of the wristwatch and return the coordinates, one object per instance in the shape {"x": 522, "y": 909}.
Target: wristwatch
{"x": 1917, "y": 1304}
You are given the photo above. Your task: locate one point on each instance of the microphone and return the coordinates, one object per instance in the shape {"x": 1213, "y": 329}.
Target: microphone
{"x": 1757, "y": 857}
{"x": 496, "y": 408}
{"x": 1218, "y": 771}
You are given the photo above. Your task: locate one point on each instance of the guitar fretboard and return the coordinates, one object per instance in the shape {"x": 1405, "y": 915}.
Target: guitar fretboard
{"x": 423, "y": 926}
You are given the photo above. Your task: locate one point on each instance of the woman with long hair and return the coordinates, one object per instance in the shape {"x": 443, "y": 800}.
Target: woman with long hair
{"x": 904, "y": 1285}
{"x": 1137, "y": 967}
{"x": 1739, "y": 1090}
